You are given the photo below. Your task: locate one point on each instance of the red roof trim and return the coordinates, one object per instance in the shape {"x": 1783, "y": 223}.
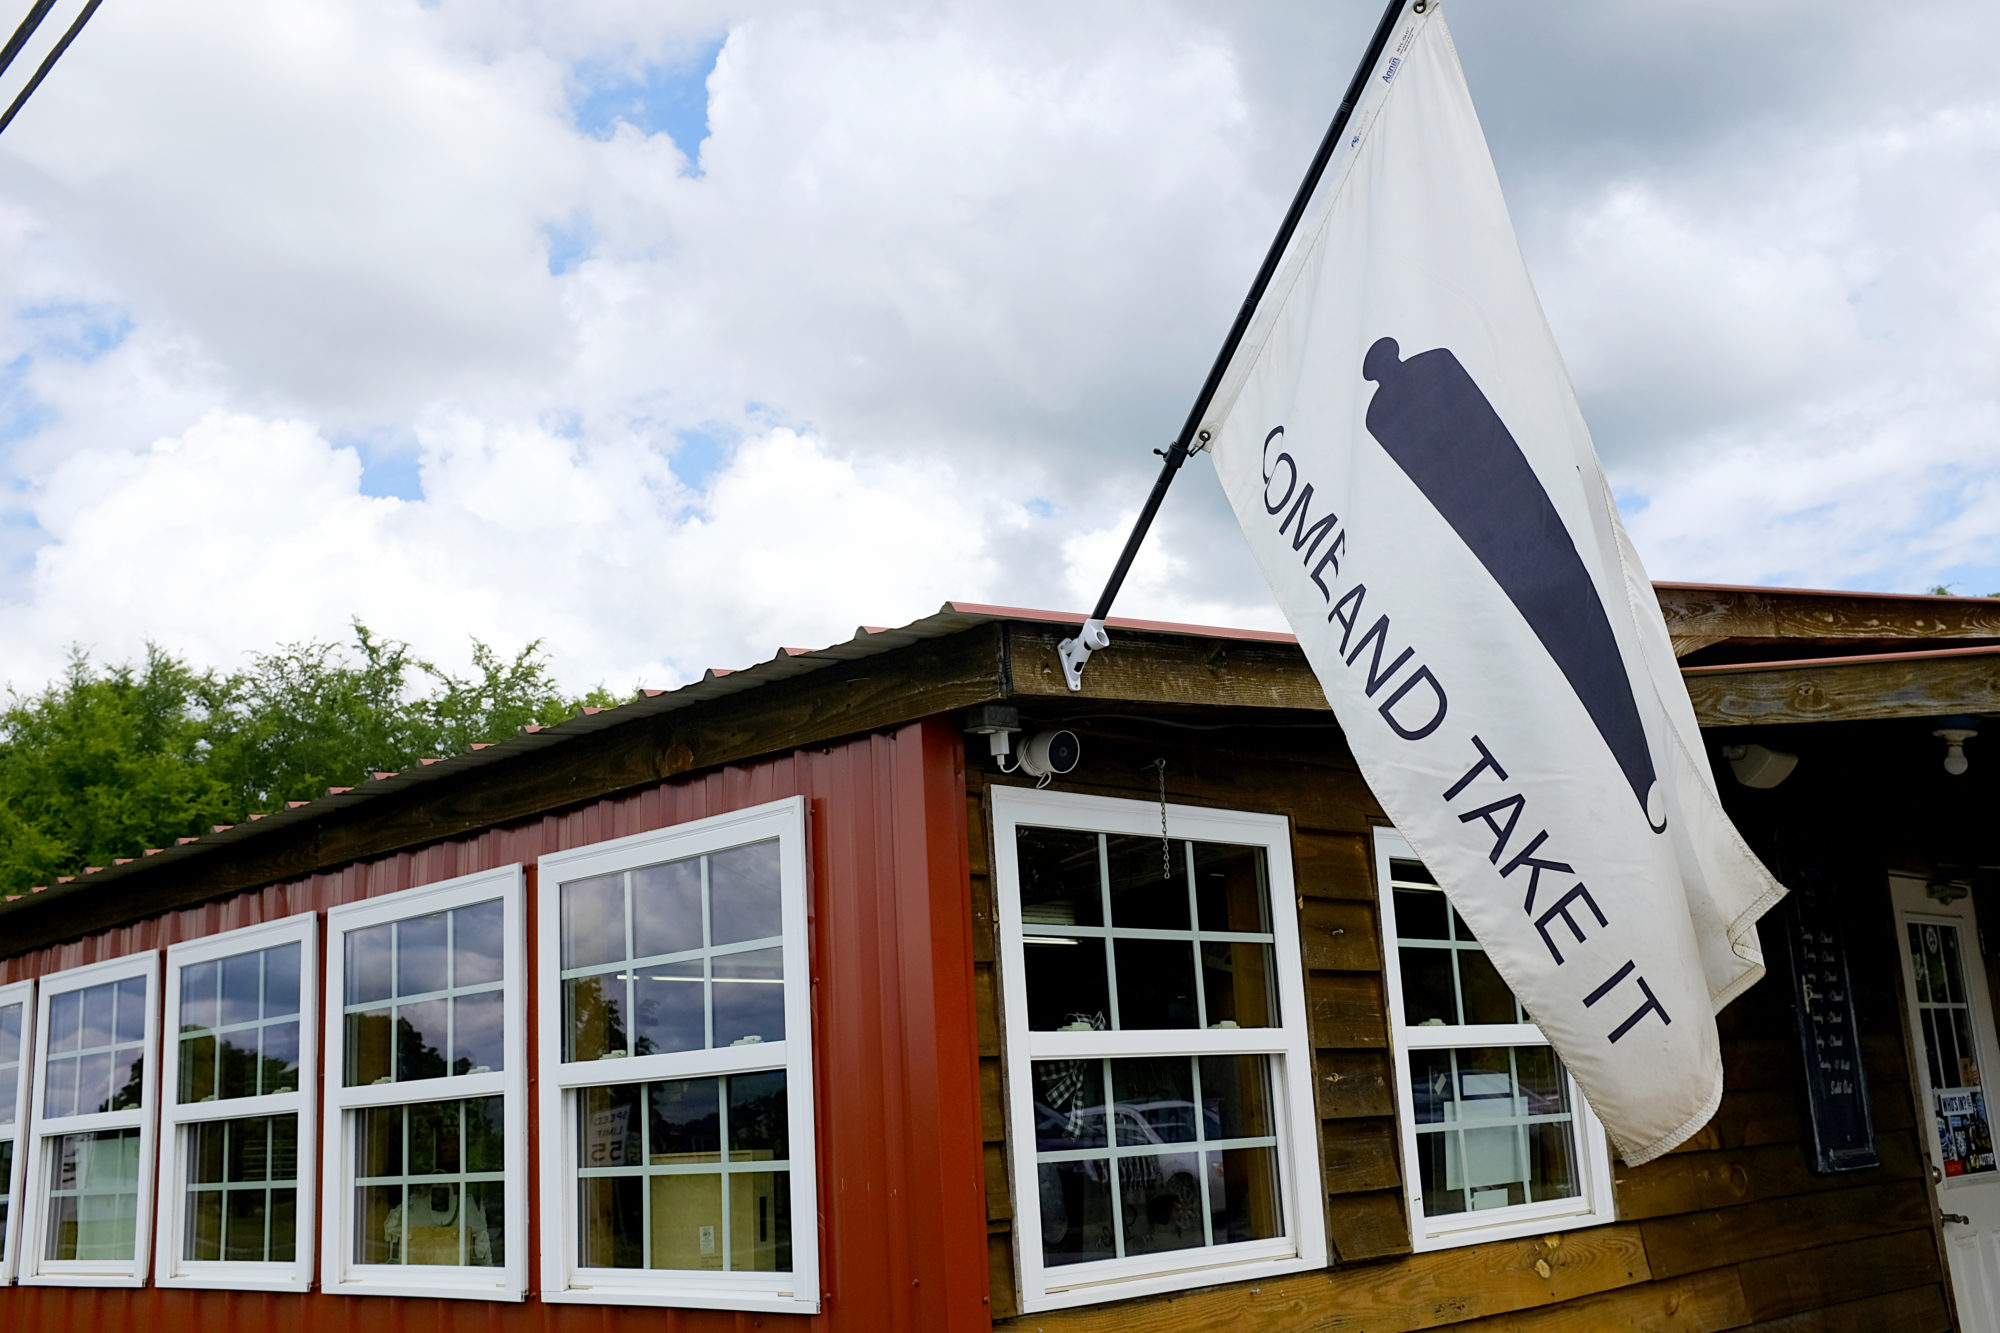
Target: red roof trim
{"x": 1120, "y": 622}
{"x": 1796, "y": 663}
{"x": 1821, "y": 592}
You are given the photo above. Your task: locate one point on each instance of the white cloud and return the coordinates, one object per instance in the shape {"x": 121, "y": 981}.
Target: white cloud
{"x": 242, "y": 532}
{"x": 948, "y": 274}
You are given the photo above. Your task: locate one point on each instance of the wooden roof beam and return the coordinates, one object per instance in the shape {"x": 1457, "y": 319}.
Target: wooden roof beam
{"x": 1851, "y": 689}
{"x": 1699, "y": 615}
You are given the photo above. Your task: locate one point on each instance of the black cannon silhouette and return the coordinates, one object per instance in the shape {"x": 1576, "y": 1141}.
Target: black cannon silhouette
{"x": 1436, "y": 424}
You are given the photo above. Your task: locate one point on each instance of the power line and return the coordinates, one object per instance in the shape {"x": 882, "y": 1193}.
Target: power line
{"x": 20, "y": 38}
{"x": 38, "y": 12}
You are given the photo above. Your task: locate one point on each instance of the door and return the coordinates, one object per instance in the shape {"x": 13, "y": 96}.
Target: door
{"x": 1951, "y": 1019}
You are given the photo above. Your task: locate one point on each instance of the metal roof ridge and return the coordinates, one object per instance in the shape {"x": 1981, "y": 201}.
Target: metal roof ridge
{"x": 1824, "y": 592}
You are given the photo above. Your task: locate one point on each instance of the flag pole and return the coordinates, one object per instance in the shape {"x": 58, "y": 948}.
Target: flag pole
{"x": 1092, "y": 637}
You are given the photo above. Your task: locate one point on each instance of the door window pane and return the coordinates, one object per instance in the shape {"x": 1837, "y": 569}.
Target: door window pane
{"x": 1951, "y": 1054}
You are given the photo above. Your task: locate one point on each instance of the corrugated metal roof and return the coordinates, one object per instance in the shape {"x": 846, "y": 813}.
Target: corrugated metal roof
{"x": 716, "y": 683}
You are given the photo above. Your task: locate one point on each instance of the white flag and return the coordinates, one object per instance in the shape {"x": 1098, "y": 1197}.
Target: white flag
{"x": 1399, "y": 438}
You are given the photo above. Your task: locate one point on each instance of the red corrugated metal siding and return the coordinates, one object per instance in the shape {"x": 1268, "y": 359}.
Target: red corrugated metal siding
{"x": 903, "y": 1233}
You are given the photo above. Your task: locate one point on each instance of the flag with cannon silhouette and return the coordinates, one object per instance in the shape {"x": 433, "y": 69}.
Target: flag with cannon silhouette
{"x": 1399, "y": 439}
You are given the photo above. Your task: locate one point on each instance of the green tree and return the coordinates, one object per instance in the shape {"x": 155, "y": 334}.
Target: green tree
{"x": 103, "y": 764}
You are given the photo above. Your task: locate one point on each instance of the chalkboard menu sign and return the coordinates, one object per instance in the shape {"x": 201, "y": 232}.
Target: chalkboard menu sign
{"x": 1836, "y": 1090}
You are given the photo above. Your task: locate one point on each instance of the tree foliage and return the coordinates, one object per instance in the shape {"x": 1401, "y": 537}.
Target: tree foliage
{"x": 106, "y": 762}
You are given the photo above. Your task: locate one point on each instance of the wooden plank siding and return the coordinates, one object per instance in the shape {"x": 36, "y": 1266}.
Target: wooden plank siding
{"x": 1732, "y": 1231}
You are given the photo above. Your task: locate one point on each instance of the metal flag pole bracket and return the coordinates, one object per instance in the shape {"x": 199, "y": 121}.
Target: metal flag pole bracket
{"x": 1075, "y": 652}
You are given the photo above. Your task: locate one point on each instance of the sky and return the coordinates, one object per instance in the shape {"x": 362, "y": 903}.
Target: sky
{"x": 670, "y": 334}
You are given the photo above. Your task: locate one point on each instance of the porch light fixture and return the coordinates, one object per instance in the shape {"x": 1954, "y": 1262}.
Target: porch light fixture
{"x": 1759, "y": 765}
{"x": 1947, "y": 891}
{"x": 1955, "y": 732}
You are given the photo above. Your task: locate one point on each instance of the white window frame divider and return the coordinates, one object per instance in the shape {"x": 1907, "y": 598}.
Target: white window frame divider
{"x": 23, "y": 994}
{"x": 33, "y": 1270}
{"x": 1302, "y": 1190}
{"x": 563, "y": 1279}
{"x": 1593, "y": 1207}
{"x": 340, "y": 1273}
{"x": 177, "y": 1121}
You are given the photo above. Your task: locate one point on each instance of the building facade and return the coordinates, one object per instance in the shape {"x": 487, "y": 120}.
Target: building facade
{"x": 777, "y": 1001}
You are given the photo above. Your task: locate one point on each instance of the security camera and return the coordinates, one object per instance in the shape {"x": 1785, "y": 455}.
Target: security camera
{"x": 1048, "y": 754}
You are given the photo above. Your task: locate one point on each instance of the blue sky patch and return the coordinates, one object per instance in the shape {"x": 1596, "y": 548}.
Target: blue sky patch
{"x": 1040, "y": 508}
{"x": 670, "y": 99}
{"x": 389, "y": 465}
{"x": 569, "y": 246}
{"x": 700, "y": 453}
{"x": 21, "y": 413}
{"x": 75, "y": 330}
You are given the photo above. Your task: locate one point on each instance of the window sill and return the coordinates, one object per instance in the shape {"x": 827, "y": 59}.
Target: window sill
{"x": 447, "y": 1285}
{"x": 1512, "y": 1227}
{"x": 125, "y": 1279}
{"x": 694, "y": 1295}
{"x": 1224, "y": 1273}
{"x": 236, "y": 1281}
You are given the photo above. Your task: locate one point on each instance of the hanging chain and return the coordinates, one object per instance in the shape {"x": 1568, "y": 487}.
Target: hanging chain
{"x": 1166, "y": 846}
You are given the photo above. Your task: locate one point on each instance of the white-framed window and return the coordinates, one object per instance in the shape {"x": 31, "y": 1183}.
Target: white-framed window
{"x": 89, "y": 1202}
{"x": 237, "y": 1093}
{"x": 1161, "y": 1129}
{"x": 16, "y": 1041}
{"x": 1497, "y": 1141}
{"x": 426, "y": 1136}
{"x": 676, "y": 1067}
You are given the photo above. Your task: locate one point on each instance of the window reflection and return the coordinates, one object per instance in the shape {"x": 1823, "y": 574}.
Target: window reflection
{"x": 97, "y": 1038}
{"x": 1189, "y": 943}
{"x": 425, "y": 996}
{"x": 659, "y": 1191}
{"x": 430, "y": 1184}
{"x": 681, "y": 956}
{"x": 1191, "y": 1146}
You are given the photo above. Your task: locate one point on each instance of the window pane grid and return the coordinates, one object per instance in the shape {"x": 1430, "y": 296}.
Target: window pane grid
{"x": 402, "y": 1025}
{"x": 1222, "y": 973}
{"x": 1447, "y": 980}
{"x": 724, "y": 987}
{"x": 451, "y": 1215}
{"x": 1489, "y": 1113}
{"x": 6, "y": 1197}
{"x": 97, "y": 1039}
{"x": 242, "y": 1190}
{"x": 225, "y": 1054}
{"x": 94, "y": 1196}
{"x": 607, "y": 1137}
{"x": 1153, "y": 1172}
{"x": 12, "y": 1022}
